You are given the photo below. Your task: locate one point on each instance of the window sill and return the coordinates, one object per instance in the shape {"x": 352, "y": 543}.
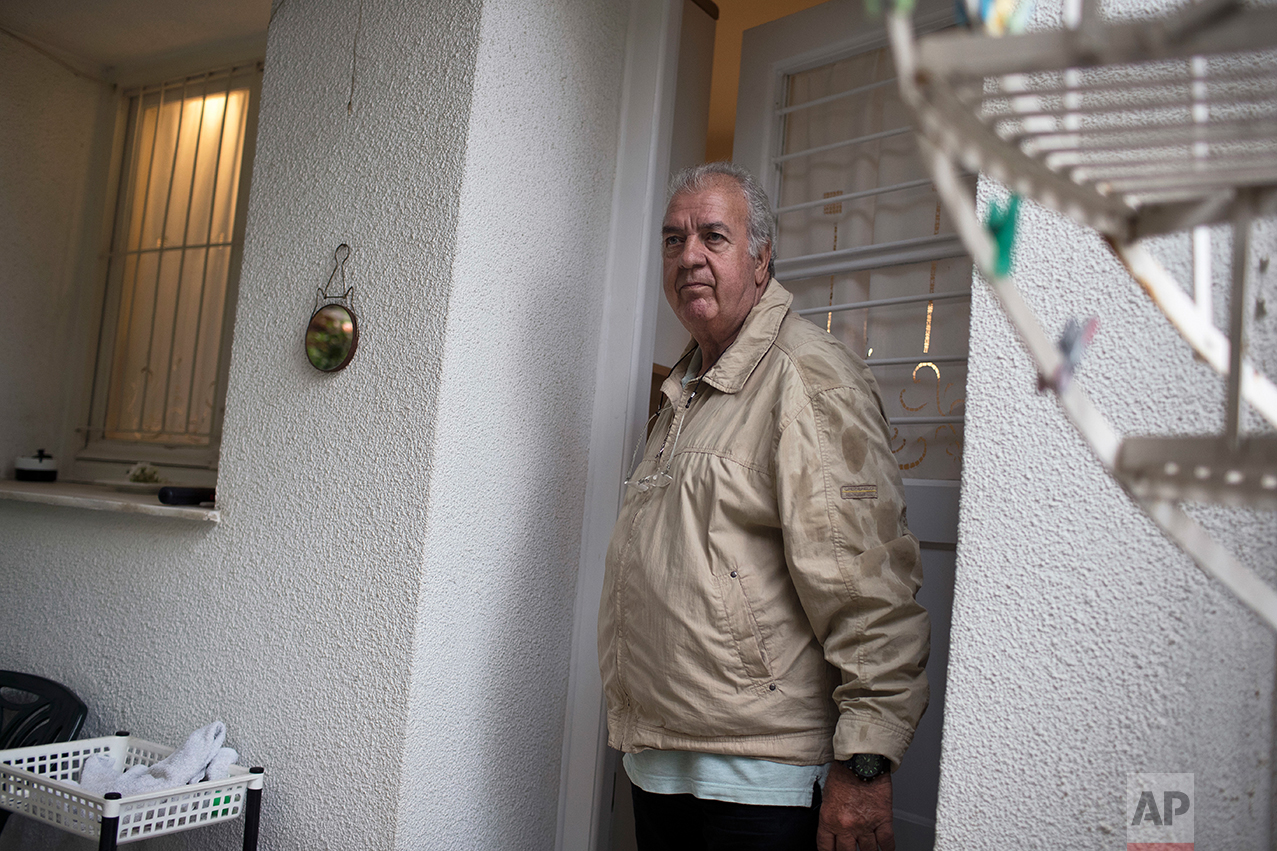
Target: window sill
{"x": 100, "y": 498}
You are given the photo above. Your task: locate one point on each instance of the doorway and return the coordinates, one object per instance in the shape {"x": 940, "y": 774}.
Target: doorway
{"x": 869, "y": 256}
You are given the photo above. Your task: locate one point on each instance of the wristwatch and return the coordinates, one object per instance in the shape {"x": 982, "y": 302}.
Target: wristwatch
{"x": 867, "y": 766}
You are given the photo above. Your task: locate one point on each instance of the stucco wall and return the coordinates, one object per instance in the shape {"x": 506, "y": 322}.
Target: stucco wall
{"x": 293, "y": 620}
{"x": 494, "y": 622}
{"x": 47, "y": 117}
{"x": 1085, "y": 646}
{"x": 383, "y": 617}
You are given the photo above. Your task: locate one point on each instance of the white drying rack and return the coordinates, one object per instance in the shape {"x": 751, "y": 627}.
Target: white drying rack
{"x": 37, "y": 782}
{"x": 1134, "y": 129}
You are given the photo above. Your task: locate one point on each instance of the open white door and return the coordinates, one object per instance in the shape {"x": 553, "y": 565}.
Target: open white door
{"x": 869, "y": 254}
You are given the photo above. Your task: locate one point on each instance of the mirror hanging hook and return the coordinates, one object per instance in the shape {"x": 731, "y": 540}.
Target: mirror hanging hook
{"x": 340, "y": 256}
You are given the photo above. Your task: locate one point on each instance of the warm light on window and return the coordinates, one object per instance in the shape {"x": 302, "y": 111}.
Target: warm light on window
{"x": 171, "y": 262}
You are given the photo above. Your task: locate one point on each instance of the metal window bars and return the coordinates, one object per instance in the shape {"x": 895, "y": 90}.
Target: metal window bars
{"x": 1134, "y": 129}
{"x": 170, "y": 259}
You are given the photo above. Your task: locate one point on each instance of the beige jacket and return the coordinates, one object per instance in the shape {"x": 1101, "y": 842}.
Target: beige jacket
{"x": 763, "y": 602}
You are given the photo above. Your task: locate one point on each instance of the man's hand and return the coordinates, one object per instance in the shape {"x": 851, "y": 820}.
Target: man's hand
{"x": 853, "y": 811}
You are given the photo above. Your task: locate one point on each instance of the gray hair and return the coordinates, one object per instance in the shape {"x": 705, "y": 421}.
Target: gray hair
{"x": 761, "y": 225}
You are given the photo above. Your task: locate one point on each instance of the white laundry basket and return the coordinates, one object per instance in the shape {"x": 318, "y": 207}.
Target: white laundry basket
{"x": 37, "y": 782}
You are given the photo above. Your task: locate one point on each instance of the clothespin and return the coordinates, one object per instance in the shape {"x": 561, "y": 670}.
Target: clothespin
{"x": 1001, "y": 224}
{"x": 1072, "y": 345}
{"x": 1003, "y": 17}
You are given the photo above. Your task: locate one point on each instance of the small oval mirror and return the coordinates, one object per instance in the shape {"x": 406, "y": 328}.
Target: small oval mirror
{"x": 331, "y": 337}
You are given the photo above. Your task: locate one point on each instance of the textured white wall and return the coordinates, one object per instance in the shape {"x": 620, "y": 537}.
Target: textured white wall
{"x": 383, "y": 618}
{"x": 293, "y": 620}
{"x": 47, "y": 117}
{"x": 494, "y": 621}
{"x": 1085, "y": 646}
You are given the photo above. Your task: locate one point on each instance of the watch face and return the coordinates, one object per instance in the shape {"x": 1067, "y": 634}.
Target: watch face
{"x": 867, "y": 766}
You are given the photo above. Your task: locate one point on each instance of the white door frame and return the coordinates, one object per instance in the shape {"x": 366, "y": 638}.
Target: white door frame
{"x": 622, "y": 386}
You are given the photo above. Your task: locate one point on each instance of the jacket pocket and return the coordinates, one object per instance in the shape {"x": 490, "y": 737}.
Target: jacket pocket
{"x": 742, "y": 627}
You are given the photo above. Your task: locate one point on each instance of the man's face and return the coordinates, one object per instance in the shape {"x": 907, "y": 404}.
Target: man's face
{"x": 709, "y": 278}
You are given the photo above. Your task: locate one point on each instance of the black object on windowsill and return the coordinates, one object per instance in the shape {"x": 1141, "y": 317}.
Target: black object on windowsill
{"x": 186, "y": 496}
{"x": 39, "y": 467}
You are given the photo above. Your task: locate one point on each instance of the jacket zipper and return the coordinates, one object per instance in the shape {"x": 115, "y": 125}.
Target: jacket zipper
{"x": 631, "y": 719}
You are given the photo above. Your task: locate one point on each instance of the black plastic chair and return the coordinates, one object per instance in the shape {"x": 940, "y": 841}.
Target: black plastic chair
{"x": 36, "y": 711}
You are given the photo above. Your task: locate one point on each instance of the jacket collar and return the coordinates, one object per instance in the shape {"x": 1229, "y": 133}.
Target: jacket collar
{"x": 744, "y": 354}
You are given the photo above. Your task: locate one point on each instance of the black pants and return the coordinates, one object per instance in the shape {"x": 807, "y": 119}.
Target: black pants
{"x": 688, "y": 823}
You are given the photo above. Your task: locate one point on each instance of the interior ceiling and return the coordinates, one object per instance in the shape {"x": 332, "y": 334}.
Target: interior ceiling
{"x": 121, "y": 33}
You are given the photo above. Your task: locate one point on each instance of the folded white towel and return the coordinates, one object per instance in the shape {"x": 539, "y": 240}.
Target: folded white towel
{"x": 188, "y": 764}
{"x": 98, "y": 773}
{"x": 218, "y": 769}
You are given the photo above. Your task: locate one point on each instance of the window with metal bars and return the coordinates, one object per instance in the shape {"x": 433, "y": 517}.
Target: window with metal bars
{"x": 172, "y": 269}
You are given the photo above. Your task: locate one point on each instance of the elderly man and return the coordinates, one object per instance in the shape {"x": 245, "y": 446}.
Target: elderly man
{"x": 759, "y": 636}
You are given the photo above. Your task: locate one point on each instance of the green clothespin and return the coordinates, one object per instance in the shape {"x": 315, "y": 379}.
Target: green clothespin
{"x": 1001, "y": 224}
